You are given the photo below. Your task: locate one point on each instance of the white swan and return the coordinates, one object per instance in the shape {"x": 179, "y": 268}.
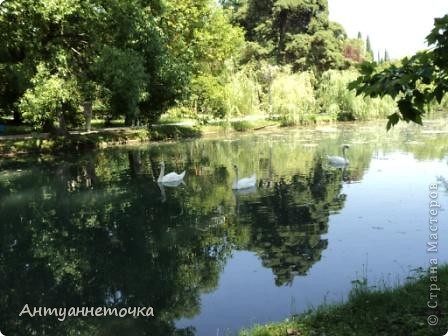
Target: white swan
{"x": 245, "y": 182}
{"x": 170, "y": 177}
{"x": 337, "y": 161}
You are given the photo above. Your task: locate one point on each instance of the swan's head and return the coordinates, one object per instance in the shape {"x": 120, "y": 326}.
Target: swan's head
{"x": 235, "y": 167}
{"x": 345, "y": 146}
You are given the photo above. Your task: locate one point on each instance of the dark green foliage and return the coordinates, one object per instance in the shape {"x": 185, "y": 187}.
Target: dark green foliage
{"x": 414, "y": 83}
{"x": 369, "y": 49}
{"x": 137, "y": 57}
{"x": 123, "y": 73}
{"x": 386, "y": 56}
{"x": 294, "y": 32}
{"x": 51, "y": 97}
{"x": 13, "y": 83}
{"x": 65, "y": 62}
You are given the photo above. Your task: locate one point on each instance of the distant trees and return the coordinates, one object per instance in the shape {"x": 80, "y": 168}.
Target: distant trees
{"x": 293, "y": 32}
{"x": 369, "y": 49}
{"x": 356, "y": 50}
{"x": 386, "y": 56}
{"x": 414, "y": 83}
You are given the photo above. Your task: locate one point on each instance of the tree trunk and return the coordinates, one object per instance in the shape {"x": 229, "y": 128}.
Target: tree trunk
{"x": 283, "y": 17}
{"x": 135, "y": 164}
{"x": 129, "y": 120}
{"x": 62, "y": 130}
{"x": 48, "y": 126}
{"x": 87, "y": 106}
{"x": 17, "y": 117}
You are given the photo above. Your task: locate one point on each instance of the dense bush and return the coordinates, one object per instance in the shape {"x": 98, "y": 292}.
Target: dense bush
{"x": 208, "y": 96}
{"x": 335, "y": 99}
{"x": 122, "y": 73}
{"x": 242, "y": 93}
{"x": 52, "y": 97}
{"x": 292, "y": 98}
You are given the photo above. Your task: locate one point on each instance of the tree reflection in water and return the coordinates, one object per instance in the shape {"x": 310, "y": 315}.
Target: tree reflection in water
{"x": 92, "y": 231}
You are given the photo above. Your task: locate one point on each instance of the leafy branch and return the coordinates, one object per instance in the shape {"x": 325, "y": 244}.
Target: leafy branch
{"x": 415, "y": 83}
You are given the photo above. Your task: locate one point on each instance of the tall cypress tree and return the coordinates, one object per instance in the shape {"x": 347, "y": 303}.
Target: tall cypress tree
{"x": 386, "y": 56}
{"x": 369, "y": 46}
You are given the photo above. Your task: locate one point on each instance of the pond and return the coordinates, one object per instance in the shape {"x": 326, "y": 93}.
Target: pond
{"x": 97, "y": 230}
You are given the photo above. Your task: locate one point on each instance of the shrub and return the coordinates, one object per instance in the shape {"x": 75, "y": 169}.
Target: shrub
{"x": 52, "y": 97}
{"x": 242, "y": 93}
{"x": 335, "y": 99}
{"x": 208, "y": 96}
{"x": 292, "y": 98}
{"x": 242, "y": 126}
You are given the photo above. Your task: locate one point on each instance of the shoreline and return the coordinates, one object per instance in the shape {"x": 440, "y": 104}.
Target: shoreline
{"x": 391, "y": 310}
{"x": 45, "y": 143}
{"x": 13, "y": 145}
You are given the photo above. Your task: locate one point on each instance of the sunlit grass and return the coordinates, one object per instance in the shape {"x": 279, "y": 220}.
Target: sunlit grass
{"x": 385, "y": 311}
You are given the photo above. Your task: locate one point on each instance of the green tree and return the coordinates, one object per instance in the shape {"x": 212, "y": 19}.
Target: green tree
{"x": 369, "y": 49}
{"x": 69, "y": 38}
{"x": 414, "y": 83}
{"x": 58, "y": 35}
{"x": 201, "y": 39}
{"x": 52, "y": 97}
{"x": 355, "y": 50}
{"x": 122, "y": 72}
{"x": 386, "y": 56}
{"x": 294, "y": 32}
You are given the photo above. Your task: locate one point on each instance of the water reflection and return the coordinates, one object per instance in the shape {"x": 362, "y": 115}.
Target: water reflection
{"x": 99, "y": 230}
{"x": 162, "y": 186}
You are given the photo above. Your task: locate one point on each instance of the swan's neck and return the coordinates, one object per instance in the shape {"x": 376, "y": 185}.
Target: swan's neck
{"x": 343, "y": 151}
{"x": 236, "y": 181}
{"x": 162, "y": 172}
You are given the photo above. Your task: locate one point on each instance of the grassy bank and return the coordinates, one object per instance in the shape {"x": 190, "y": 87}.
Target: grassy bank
{"x": 400, "y": 311}
{"x": 47, "y": 143}
{"x": 79, "y": 141}
{"x": 14, "y": 142}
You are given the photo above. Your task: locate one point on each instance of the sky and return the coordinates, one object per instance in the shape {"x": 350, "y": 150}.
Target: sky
{"x": 400, "y": 26}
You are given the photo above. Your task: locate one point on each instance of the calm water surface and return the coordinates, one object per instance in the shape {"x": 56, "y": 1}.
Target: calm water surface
{"x": 97, "y": 229}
